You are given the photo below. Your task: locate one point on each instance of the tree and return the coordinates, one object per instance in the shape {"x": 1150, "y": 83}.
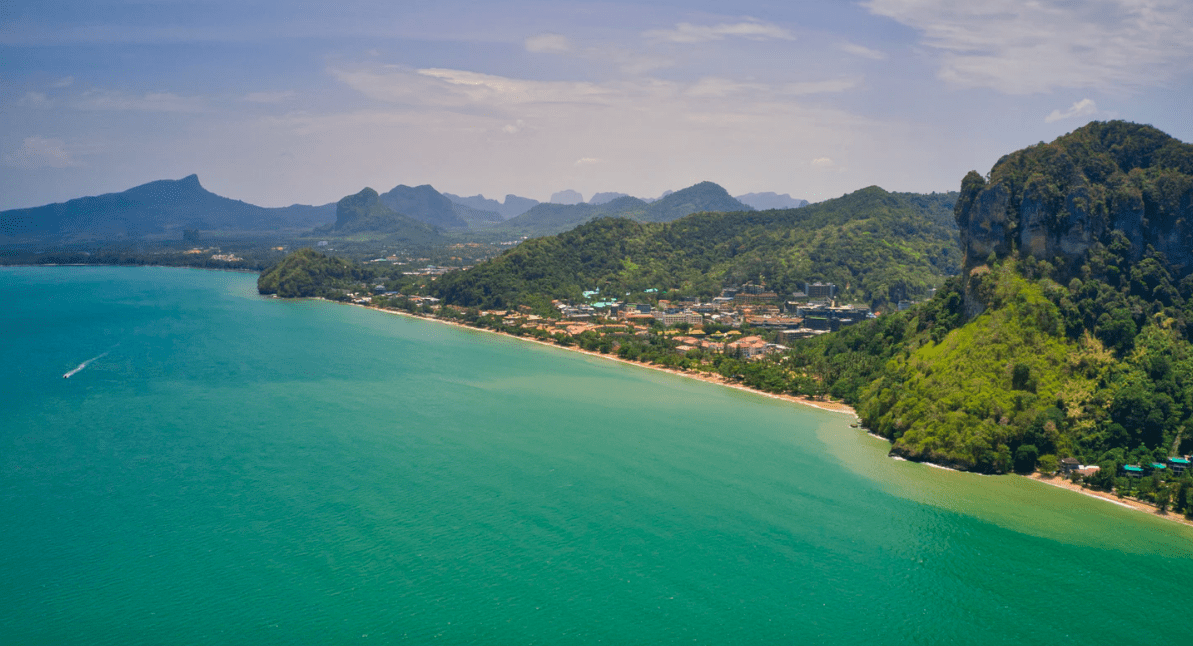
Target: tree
{"x": 1025, "y": 458}
{"x": 1163, "y": 498}
{"x": 1021, "y": 378}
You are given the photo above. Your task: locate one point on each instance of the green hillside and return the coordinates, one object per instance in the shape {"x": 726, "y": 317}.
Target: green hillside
{"x": 305, "y": 273}
{"x": 878, "y": 246}
{"x": 1069, "y": 333}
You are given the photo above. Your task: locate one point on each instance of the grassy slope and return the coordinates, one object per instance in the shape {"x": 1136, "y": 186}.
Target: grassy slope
{"x": 956, "y": 401}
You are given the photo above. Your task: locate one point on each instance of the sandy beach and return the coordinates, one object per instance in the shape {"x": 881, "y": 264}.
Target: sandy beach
{"x": 835, "y": 407}
{"x": 1057, "y": 481}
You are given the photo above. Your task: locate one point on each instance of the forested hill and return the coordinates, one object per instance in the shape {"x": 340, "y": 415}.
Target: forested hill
{"x": 1069, "y": 332}
{"x": 878, "y": 246}
{"x": 364, "y": 213}
{"x": 547, "y": 219}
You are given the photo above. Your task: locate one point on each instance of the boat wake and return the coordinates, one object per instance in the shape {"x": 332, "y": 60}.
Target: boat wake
{"x": 83, "y": 365}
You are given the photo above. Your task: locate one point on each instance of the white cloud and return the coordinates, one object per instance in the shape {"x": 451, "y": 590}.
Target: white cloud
{"x": 149, "y": 102}
{"x": 1027, "y": 47}
{"x": 720, "y": 87}
{"x": 269, "y": 97}
{"x": 548, "y": 44}
{"x": 819, "y": 87}
{"x": 864, "y": 52}
{"x": 40, "y": 152}
{"x": 1082, "y": 108}
{"x": 37, "y": 100}
{"x": 65, "y": 81}
{"x": 464, "y": 90}
{"x": 459, "y": 88}
{"x": 823, "y": 162}
{"x": 680, "y": 131}
{"x": 686, "y": 32}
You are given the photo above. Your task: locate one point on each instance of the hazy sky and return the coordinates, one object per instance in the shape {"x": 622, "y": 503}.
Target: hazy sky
{"x": 303, "y": 102}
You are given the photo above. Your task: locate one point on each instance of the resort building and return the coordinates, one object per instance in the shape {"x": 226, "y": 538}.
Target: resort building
{"x": 671, "y": 317}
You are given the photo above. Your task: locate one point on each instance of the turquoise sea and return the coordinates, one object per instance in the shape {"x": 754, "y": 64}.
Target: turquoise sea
{"x": 231, "y": 469}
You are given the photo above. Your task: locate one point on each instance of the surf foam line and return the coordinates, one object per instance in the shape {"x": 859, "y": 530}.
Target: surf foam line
{"x": 83, "y": 365}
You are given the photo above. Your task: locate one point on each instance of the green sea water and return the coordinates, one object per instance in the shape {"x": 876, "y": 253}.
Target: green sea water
{"x": 231, "y": 469}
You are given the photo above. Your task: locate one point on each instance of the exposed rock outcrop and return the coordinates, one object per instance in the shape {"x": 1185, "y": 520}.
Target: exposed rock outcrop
{"x": 1055, "y": 201}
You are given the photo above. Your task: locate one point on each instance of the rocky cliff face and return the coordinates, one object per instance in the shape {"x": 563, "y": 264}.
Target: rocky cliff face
{"x": 1056, "y": 201}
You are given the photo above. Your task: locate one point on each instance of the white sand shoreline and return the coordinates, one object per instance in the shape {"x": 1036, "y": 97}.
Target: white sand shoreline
{"x": 834, "y": 407}
{"x": 1061, "y": 483}
{"x": 830, "y": 406}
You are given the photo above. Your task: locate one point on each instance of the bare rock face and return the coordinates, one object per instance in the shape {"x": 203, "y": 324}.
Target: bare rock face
{"x": 1055, "y": 201}
{"x": 984, "y": 225}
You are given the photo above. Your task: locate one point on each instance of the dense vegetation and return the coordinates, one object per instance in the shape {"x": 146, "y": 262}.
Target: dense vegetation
{"x": 1023, "y": 360}
{"x": 306, "y": 273}
{"x": 1055, "y": 201}
{"x": 1028, "y": 381}
{"x": 877, "y": 246}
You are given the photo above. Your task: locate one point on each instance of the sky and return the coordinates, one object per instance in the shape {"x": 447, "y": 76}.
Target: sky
{"x": 277, "y": 103}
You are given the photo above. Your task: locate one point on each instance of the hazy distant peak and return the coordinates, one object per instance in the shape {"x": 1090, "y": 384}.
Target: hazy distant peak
{"x": 604, "y": 198}
{"x": 770, "y": 200}
{"x": 567, "y": 196}
{"x": 160, "y": 208}
{"x": 512, "y": 207}
{"x": 648, "y": 200}
{"x": 425, "y": 204}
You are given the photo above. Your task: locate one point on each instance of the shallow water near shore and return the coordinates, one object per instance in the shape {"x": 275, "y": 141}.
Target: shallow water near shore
{"x": 244, "y": 470}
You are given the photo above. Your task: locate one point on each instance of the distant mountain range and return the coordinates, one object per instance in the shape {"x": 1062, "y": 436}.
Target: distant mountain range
{"x": 548, "y": 219}
{"x": 163, "y": 208}
{"x": 512, "y": 207}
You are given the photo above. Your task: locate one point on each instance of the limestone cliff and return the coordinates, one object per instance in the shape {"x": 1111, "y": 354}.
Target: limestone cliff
{"x": 1055, "y": 201}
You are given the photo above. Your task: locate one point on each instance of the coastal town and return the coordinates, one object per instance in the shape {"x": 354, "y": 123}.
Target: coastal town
{"x": 749, "y": 321}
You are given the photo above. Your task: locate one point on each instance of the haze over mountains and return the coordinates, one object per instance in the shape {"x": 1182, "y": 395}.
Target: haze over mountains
{"x": 769, "y": 200}
{"x": 547, "y": 219}
{"x": 164, "y": 209}
{"x": 512, "y": 207}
